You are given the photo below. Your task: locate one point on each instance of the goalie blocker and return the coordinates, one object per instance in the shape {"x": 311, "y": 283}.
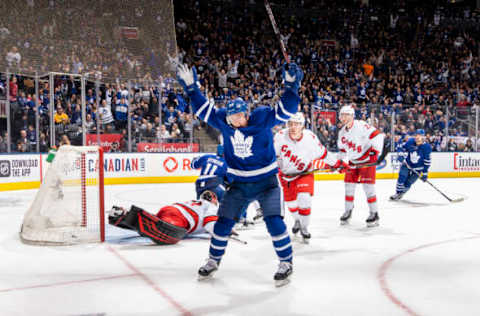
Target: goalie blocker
{"x": 147, "y": 225}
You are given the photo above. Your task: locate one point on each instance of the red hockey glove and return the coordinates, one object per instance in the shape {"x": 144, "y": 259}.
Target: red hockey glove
{"x": 341, "y": 166}
{"x": 373, "y": 156}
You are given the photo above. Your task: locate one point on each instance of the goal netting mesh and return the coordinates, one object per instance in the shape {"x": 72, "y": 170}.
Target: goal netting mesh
{"x": 69, "y": 206}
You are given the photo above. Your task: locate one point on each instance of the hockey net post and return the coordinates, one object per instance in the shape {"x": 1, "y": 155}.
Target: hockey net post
{"x": 69, "y": 206}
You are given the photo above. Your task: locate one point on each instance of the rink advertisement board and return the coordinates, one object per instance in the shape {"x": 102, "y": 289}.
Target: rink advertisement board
{"x": 21, "y": 171}
{"x": 26, "y": 171}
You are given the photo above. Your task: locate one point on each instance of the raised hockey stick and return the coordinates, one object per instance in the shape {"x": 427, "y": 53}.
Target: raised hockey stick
{"x": 277, "y": 32}
{"x": 437, "y": 189}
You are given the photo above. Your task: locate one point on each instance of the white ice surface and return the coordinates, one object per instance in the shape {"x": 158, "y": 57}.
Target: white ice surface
{"x": 423, "y": 259}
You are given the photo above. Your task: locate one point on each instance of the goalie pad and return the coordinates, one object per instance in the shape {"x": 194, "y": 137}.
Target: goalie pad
{"x": 126, "y": 220}
{"x": 159, "y": 231}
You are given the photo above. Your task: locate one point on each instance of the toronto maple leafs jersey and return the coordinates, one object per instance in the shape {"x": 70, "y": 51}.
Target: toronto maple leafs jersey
{"x": 210, "y": 165}
{"x": 418, "y": 156}
{"x": 249, "y": 151}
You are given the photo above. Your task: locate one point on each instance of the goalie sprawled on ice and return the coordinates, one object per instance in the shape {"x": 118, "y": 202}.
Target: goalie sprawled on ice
{"x": 172, "y": 222}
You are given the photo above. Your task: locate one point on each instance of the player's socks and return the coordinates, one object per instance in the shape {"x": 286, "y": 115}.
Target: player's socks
{"x": 218, "y": 243}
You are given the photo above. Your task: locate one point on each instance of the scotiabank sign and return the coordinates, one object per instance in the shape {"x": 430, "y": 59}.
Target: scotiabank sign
{"x": 168, "y": 147}
{"x": 106, "y": 140}
{"x": 466, "y": 162}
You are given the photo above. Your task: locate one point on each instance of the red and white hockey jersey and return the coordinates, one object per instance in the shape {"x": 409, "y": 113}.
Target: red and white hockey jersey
{"x": 357, "y": 143}
{"x": 294, "y": 156}
{"x": 200, "y": 214}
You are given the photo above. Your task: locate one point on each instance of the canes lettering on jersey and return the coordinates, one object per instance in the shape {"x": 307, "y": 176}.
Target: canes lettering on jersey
{"x": 359, "y": 142}
{"x": 297, "y": 156}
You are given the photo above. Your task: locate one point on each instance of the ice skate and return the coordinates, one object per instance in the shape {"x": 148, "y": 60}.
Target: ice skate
{"x": 258, "y": 216}
{"x": 208, "y": 270}
{"x": 282, "y": 276}
{"x": 305, "y": 235}
{"x": 346, "y": 217}
{"x": 372, "y": 220}
{"x": 396, "y": 196}
{"x": 296, "y": 227}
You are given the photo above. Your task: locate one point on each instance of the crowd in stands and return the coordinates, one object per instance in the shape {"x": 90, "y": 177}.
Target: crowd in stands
{"x": 420, "y": 62}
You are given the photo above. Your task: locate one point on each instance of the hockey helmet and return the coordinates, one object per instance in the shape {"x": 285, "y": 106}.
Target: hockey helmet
{"x": 420, "y": 132}
{"x": 347, "y": 109}
{"x": 236, "y": 106}
{"x": 215, "y": 185}
{"x": 297, "y": 118}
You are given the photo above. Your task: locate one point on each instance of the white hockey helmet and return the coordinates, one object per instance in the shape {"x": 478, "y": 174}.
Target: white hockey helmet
{"x": 297, "y": 118}
{"x": 347, "y": 109}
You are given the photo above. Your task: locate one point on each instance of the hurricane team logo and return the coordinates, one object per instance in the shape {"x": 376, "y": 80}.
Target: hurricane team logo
{"x": 242, "y": 146}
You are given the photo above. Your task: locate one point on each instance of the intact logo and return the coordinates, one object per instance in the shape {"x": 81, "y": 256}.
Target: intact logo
{"x": 242, "y": 146}
{"x": 5, "y": 168}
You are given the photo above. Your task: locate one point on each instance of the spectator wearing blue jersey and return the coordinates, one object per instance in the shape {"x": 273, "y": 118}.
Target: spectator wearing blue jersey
{"x": 252, "y": 165}
{"x": 414, "y": 155}
{"x": 121, "y": 114}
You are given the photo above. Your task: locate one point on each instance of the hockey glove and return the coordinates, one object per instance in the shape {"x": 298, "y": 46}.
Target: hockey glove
{"x": 292, "y": 76}
{"x": 340, "y": 166}
{"x": 187, "y": 78}
{"x": 373, "y": 156}
{"x": 400, "y": 157}
{"x": 424, "y": 176}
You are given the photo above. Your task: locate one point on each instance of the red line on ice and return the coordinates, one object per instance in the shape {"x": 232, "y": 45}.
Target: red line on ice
{"x": 150, "y": 282}
{"x": 67, "y": 282}
{"x": 382, "y": 271}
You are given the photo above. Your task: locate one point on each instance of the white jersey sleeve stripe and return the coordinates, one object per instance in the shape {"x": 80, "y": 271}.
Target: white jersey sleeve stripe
{"x": 202, "y": 108}
{"x": 282, "y": 110}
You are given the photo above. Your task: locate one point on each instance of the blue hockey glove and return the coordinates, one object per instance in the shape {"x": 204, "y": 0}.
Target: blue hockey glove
{"x": 400, "y": 158}
{"x": 424, "y": 176}
{"x": 187, "y": 78}
{"x": 292, "y": 76}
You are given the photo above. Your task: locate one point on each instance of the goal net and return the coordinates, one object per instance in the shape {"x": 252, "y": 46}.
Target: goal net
{"x": 69, "y": 206}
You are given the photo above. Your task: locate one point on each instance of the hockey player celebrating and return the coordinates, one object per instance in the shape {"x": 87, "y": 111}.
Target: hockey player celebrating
{"x": 296, "y": 149}
{"x": 252, "y": 165}
{"x": 359, "y": 143}
{"x": 172, "y": 222}
{"x": 414, "y": 155}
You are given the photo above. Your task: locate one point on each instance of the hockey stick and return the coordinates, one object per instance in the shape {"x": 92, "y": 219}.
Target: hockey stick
{"x": 431, "y": 184}
{"x": 277, "y": 32}
{"x": 385, "y": 151}
{"x": 237, "y": 239}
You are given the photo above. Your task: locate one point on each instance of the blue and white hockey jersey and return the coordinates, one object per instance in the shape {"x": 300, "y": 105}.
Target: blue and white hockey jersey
{"x": 418, "y": 157}
{"x": 249, "y": 151}
{"x": 210, "y": 165}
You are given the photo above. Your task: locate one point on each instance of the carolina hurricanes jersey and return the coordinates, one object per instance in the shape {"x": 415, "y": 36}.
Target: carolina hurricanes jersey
{"x": 358, "y": 142}
{"x": 294, "y": 156}
{"x": 200, "y": 214}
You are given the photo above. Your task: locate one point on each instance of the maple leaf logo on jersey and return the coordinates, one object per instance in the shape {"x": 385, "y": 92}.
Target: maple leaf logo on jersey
{"x": 242, "y": 147}
{"x": 414, "y": 157}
